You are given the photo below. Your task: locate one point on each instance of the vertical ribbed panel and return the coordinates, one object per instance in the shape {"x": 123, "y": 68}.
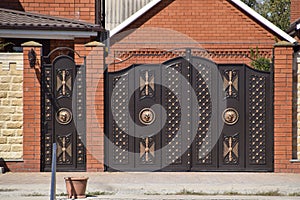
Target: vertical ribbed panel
{"x": 117, "y": 11}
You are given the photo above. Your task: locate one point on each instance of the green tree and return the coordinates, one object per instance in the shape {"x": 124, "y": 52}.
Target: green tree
{"x": 252, "y": 4}
{"x": 276, "y": 11}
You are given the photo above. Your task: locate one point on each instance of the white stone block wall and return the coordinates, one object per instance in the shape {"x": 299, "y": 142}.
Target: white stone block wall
{"x": 11, "y": 106}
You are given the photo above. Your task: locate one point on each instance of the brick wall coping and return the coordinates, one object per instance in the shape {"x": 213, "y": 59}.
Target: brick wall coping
{"x": 284, "y": 44}
{"x": 31, "y": 44}
{"x": 94, "y": 44}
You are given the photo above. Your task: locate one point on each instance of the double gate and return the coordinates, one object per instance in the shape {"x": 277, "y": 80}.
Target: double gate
{"x": 189, "y": 114}
{"x": 63, "y": 111}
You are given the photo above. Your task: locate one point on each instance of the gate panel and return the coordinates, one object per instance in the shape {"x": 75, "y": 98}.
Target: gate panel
{"x": 205, "y": 83}
{"x": 232, "y": 139}
{"x": 234, "y": 106}
{"x": 133, "y": 119}
{"x": 65, "y": 132}
{"x": 259, "y": 123}
{"x": 63, "y": 113}
{"x": 175, "y": 139}
{"x": 120, "y": 143}
{"x": 147, "y": 117}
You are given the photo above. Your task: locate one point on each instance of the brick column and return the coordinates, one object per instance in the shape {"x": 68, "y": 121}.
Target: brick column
{"x": 94, "y": 52}
{"x": 31, "y": 108}
{"x": 283, "y": 108}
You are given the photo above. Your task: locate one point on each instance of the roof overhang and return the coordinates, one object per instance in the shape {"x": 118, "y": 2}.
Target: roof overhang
{"x": 20, "y": 24}
{"x": 46, "y": 34}
{"x": 294, "y": 29}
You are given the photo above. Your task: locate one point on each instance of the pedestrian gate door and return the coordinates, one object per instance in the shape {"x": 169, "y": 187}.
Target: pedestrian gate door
{"x": 63, "y": 111}
{"x": 189, "y": 114}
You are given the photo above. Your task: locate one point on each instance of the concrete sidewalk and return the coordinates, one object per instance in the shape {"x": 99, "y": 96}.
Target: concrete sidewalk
{"x": 156, "y": 185}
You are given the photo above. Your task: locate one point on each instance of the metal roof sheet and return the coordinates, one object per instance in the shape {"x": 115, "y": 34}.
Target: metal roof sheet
{"x": 12, "y": 19}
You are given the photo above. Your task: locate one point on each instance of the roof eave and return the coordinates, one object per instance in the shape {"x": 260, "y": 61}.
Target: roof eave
{"x": 51, "y": 28}
{"x": 294, "y": 28}
{"x": 46, "y": 34}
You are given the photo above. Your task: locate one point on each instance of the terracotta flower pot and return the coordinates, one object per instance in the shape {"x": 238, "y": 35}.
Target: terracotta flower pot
{"x": 76, "y": 187}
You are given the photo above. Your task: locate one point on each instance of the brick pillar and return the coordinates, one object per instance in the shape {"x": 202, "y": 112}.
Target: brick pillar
{"x": 31, "y": 108}
{"x": 283, "y": 106}
{"x": 94, "y": 52}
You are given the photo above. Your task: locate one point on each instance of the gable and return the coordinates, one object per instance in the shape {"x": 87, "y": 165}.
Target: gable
{"x": 210, "y": 22}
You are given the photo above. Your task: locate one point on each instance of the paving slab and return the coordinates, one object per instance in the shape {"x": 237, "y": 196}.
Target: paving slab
{"x": 156, "y": 185}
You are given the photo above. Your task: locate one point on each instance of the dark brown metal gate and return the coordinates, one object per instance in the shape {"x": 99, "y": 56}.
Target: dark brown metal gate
{"x": 63, "y": 111}
{"x": 219, "y": 120}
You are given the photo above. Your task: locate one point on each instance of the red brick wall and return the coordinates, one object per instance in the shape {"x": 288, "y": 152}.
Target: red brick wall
{"x": 295, "y": 10}
{"x": 213, "y": 24}
{"x": 61, "y": 43}
{"x": 72, "y": 9}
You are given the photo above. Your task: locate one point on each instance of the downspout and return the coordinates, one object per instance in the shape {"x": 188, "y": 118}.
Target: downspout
{"x": 100, "y": 19}
{"x": 98, "y": 12}
{"x": 295, "y": 108}
{"x": 103, "y": 14}
{"x": 102, "y": 35}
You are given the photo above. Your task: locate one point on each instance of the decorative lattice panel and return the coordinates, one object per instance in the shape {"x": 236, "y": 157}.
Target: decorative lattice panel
{"x": 120, "y": 122}
{"x": 80, "y": 150}
{"x": 47, "y": 94}
{"x": 80, "y": 96}
{"x": 257, "y": 120}
{"x": 203, "y": 137}
{"x": 173, "y": 109}
{"x": 48, "y": 149}
{"x": 47, "y": 115}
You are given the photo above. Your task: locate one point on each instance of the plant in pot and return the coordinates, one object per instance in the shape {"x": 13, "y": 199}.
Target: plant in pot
{"x": 76, "y": 187}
